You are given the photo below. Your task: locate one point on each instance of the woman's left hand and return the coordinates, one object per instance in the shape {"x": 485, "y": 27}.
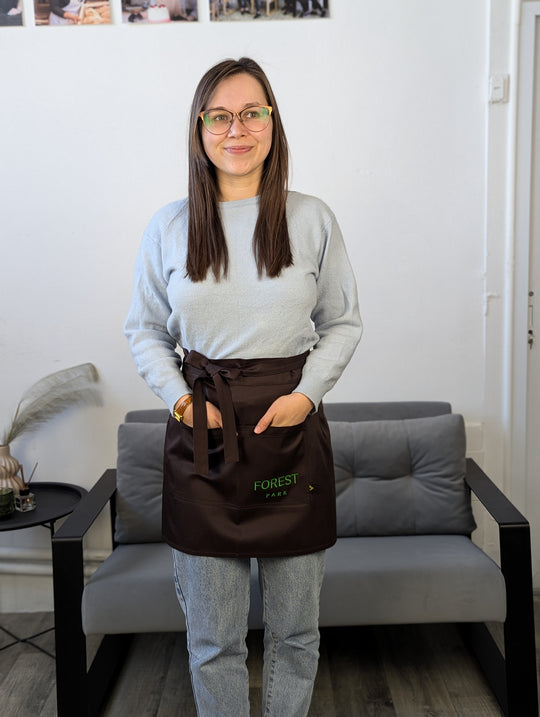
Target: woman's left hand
{"x": 289, "y": 410}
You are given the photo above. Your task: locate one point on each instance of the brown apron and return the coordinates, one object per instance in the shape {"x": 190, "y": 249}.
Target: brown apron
{"x": 232, "y": 492}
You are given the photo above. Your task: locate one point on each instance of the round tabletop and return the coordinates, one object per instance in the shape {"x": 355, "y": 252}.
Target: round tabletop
{"x": 53, "y": 501}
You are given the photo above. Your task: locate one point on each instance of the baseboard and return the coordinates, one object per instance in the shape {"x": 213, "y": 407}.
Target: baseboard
{"x": 26, "y": 575}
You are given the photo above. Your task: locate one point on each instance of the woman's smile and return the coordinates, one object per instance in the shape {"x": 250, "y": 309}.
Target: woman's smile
{"x": 238, "y": 149}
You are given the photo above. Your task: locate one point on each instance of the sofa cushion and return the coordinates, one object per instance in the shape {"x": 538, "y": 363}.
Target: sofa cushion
{"x": 401, "y": 477}
{"x": 410, "y": 579}
{"x": 139, "y": 478}
{"x": 368, "y": 581}
{"x": 133, "y": 591}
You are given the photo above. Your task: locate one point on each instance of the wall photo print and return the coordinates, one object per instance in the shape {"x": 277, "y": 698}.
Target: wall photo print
{"x": 243, "y": 10}
{"x": 158, "y": 11}
{"x": 72, "y": 12}
{"x": 11, "y": 13}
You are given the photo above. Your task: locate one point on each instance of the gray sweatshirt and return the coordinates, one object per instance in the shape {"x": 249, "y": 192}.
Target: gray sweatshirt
{"x": 312, "y": 305}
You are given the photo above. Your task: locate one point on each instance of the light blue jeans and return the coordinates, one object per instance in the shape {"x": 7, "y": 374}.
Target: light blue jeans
{"x": 215, "y": 594}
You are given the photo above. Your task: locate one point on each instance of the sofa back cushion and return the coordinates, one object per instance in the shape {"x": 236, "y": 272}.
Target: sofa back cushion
{"x": 401, "y": 477}
{"x": 139, "y": 479}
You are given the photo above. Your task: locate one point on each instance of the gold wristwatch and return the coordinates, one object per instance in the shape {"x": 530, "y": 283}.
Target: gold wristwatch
{"x": 178, "y": 413}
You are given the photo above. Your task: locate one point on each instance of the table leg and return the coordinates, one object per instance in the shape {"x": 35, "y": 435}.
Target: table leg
{"x": 26, "y": 640}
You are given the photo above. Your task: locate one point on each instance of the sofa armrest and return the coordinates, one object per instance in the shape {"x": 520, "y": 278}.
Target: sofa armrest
{"x": 83, "y": 517}
{"x": 516, "y": 567}
{"x": 492, "y": 498}
{"x": 514, "y": 538}
{"x": 68, "y": 586}
{"x": 68, "y": 560}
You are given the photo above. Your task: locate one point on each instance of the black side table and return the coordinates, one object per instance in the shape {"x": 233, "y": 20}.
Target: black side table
{"x": 53, "y": 501}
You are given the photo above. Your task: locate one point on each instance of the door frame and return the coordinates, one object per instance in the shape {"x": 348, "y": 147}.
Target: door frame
{"x": 517, "y": 464}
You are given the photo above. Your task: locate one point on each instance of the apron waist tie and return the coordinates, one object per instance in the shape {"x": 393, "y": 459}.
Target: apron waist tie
{"x": 204, "y": 371}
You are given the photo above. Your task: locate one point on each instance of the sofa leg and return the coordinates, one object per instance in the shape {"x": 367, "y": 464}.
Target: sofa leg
{"x": 481, "y": 643}
{"x": 519, "y": 639}
{"x": 82, "y": 693}
{"x": 104, "y": 669}
{"x": 69, "y": 636}
{"x": 521, "y": 683}
{"x": 71, "y": 687}
{"x": 512, "y": 677}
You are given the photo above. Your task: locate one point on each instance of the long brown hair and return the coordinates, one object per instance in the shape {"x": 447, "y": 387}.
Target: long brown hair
{"x": 207, "y": 247}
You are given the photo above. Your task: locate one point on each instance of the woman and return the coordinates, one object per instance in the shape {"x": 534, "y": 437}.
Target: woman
{"x": 254, "y": 283}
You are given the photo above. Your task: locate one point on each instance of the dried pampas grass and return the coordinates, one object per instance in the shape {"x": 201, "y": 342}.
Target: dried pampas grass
{"x": 52, "y": 395}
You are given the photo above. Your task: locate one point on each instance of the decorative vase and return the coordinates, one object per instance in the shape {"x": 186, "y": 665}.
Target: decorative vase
{"x": 9, "y": 468}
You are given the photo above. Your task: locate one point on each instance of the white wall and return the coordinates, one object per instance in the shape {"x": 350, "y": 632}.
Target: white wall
{"x": 93, "y": 128}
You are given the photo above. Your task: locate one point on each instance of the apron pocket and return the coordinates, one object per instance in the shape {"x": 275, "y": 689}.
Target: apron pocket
{"x": 179, "y": 469}
{"x": 274, "y": 470}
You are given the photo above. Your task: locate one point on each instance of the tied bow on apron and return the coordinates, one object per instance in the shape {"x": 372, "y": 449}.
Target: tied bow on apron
{"x": 200, "y": 370}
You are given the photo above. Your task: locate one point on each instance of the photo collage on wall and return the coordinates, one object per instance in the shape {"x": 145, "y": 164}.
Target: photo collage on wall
{"x": 98, "y": 12}
{"x": 147, "y": 12}
{"x": 233, "y": 10}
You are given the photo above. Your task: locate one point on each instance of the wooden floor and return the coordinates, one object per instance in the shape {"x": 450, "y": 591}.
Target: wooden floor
{"x": 405, "y": 671}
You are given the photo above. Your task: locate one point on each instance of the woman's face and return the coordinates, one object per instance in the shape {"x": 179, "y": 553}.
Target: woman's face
{"x": 238, "y": 155}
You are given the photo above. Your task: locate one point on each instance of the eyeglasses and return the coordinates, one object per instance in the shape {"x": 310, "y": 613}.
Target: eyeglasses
{"x": 254, "y": 118}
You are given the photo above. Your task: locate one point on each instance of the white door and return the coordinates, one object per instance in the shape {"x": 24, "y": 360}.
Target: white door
{"x": 533, "y": 363}
{"x": 524, "y": 467}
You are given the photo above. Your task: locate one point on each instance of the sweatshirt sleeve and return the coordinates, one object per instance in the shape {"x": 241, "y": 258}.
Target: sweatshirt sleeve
{"x": 336, "y": 317}
{"x": 153, "y": 348}
{"x": 58, "y": 7}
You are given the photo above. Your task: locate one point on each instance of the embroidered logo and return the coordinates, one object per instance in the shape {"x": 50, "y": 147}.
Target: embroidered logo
{"x": 276, "y": 487}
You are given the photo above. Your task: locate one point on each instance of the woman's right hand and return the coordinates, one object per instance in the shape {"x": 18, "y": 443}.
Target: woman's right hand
{"x": 213, "y": 414}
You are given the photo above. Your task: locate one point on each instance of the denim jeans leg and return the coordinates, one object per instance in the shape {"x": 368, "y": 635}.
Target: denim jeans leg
{"x": 291, "y": 589}
{"x": 214, "y": 595}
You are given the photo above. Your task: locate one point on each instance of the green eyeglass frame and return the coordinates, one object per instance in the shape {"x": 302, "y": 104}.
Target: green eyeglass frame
{"x": 226, "y": 124}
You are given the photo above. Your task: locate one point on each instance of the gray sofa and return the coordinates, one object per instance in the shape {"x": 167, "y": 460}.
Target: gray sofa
{"x": 403, "y": 555}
